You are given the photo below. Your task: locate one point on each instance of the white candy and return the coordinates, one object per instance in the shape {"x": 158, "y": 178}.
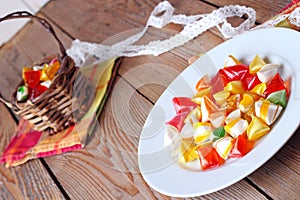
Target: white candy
{"x": 236, "y": 127}
{"x": 22, "y": 93}
{"x": 233, "y": 115}
{"x": 223, "y": 146}
{"x": 267, "y": 72}
{"x": 267, "y": 111}
{"x": 46, "y": 83}
{"x": 37, "y": 68}
{"x": 202, "y": 132}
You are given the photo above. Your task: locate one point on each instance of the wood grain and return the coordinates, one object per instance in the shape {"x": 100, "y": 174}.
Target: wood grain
{"x": 281, "y": 172}
{"x": 29, "y": 181}
{"x": 265, "y": 10}
{"x": 107, "y": 168}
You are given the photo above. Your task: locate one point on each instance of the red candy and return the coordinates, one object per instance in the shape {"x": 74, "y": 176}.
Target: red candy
{"x": 241, "y": 147}
{"x": 32, "y": 78}
{"x": 37, "y": 91}
{"x": 234, "y": 73}
{"x": 178, "y": 120}
{"x": 183, "y": 104}
{"x": 209, "y": 158}
{"x": 276, "y": 84}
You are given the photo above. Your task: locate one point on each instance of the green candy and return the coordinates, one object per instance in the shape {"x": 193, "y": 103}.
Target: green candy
{"x": 219, "y": 132}
{"x": 22, "y": 93}
{"x": 278, "y": 98}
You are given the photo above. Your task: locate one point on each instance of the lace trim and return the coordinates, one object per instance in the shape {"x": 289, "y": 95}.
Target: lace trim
{"x": 193, "y": 26}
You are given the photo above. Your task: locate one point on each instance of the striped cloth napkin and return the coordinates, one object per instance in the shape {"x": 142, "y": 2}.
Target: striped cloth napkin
{"x": 29, "y": 144}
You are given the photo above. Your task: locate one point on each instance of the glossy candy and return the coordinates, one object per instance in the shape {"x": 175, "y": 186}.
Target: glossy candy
{"x": 22, "y": 93}
{"x": 183, "y": 104}
{"x": 256, "y": 129}
{"x": 209, "y": 158}
{"x": 236, "y": 127}
{"x": 256, "y": 64}
{"x": 241, "y": 147}
{"x": 250, "y": 81}
{"x": 246, "y": 103}
{"x": 221, "y": 97}
{"x": 267, "y": 111}
{"x": 234, "y": 73}
{"x": 32, "y": 78}
{"x": 236, "y": 114}
{"x": 202, "y": 131}
{"x": 235, "y": 87}
{"x": 37, "y": 91}
{"x": 259, "y": 89}
{"x": 223, "y": 146}
{"x": 207, "y": 108}
{"x": 203, "y": 83}
{"x": 194, "y": 116}
{"x": 187, "y": 150}
{"x": 178, "y": 120}
{"x": 267, "y": 72}
{"x": 275, "y": 84}
{"x": 278, "y": 98}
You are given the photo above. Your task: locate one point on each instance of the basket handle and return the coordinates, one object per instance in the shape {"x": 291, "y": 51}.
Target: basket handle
{"x": 47, "y": 25}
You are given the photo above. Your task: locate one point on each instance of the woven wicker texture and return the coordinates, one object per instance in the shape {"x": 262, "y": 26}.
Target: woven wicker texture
{"x": 65, "y": 101}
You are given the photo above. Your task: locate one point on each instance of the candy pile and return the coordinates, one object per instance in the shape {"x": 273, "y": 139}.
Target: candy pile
{"x": 37, "y": 80}
{"x": 229, "y": 112}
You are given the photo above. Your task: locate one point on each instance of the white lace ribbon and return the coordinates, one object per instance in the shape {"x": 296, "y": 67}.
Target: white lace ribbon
{"x": 192, "y": 27}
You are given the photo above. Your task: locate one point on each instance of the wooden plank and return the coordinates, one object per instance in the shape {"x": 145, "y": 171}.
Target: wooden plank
{"x": 281, "y": 172}
{"x": 265, "y": 10}
{"x": 28, "y": 181}
{"x": 108, "y": 167}
{"x": 105, "y": 19}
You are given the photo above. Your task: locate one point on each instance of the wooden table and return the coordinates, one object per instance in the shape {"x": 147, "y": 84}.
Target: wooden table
{"x": 107, "y": 168}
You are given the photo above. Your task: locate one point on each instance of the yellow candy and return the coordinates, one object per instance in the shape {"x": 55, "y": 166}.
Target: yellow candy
{"x": 256, "y": 129}
{"x": 220, "y": 97}
{"x": 256, "y": 64}
{"x": 194, "y": 116}
{"x": 50, "y": 71}
{"x": 231, "y": 61}
{"x": 259, "y": 89}
{"x": 233, "y": 115}
{"x": 232, "y": 102}
{"x": 246, "y": 103}
{"x": 187, "y": 150}
{"x": 267, "y": 111}
{"x": 236, "y": 127}
{"x": 25, "y": 69}
{"x": 202, "y": 131}
{"x": 197, "y": 98}
{"x": 223, "y": 146}
{"x": 248, "y": 115}
{"x": 234, "y": 87}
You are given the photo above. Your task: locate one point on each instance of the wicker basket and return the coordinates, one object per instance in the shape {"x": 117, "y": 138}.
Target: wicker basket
{"x": 65, "y": 101}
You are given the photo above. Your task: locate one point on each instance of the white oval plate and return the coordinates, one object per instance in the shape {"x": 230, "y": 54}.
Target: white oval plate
{"x": 163, "y": 173}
